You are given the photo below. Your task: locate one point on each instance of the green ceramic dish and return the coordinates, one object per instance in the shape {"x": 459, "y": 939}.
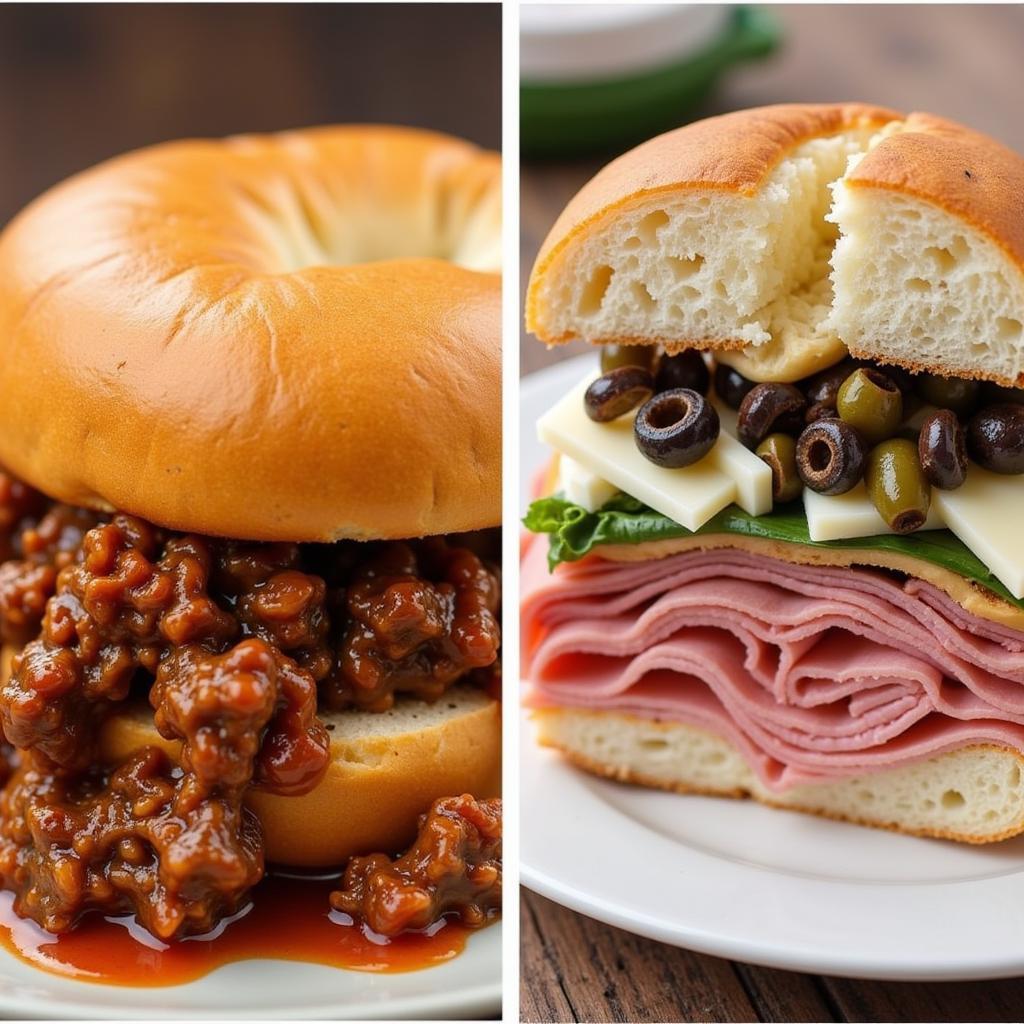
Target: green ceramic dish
{"x": 569, "y": 119}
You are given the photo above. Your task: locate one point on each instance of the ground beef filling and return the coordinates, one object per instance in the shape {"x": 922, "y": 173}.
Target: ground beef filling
{"x": 234, "y": 644}
{"x": 453, "y": 867}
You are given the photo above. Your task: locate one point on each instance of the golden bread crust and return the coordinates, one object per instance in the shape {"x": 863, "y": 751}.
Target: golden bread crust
{"x": 957, "y": 169}
{"x": 733, "y": 152}
{"x": 377, "y": 783}
{"x": 624, "y": 774}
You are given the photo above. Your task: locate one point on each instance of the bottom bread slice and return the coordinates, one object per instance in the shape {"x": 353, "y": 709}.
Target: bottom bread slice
{"x": 972, "y": 795}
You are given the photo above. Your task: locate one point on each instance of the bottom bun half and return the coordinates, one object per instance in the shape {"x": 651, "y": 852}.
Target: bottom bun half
{"x": 386, "y": 769}
{"x": 973, "y": 795}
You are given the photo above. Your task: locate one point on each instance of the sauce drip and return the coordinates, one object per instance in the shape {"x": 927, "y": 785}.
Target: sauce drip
{"x": 289, "y": 918}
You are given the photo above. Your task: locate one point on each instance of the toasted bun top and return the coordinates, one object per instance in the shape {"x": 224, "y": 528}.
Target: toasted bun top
{"x": 733, "y": 152}
{"x": 283, "y": 337}
{"x": 964, "y": 172}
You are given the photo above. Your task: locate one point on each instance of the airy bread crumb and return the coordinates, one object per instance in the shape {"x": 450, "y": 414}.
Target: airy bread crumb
{"x": 918, "y": 217}
{"x": 973, "y": 795}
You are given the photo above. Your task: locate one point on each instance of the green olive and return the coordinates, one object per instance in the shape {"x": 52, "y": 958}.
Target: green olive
{"x": 903, "y": 379}
{"x": 897, "y": 486}
{"x": 779, "y": 451}
{"x": 824, "y": 385}
{"x": 949, "y": 393}
{"x": 614, "y": 356}
{"x": 870, "y": 402}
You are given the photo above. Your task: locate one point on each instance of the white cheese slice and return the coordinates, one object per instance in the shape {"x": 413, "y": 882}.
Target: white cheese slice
{"x": 844, "y": 516}
{"x": 753, "y": 476}
{"x": 582, "y": 487}
{"x": 983, "y": 514}
{"x": 599, "y": 459}
{"x": 690, "y": 496}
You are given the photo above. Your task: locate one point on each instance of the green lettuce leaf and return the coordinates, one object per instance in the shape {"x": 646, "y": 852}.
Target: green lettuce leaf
{"x": 575, "y": 532}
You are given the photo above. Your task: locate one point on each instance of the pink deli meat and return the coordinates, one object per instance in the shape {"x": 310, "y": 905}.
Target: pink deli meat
{"x": 812, "y": 672}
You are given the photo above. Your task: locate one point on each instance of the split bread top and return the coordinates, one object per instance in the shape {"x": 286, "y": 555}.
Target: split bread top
{"x": 782, "y": 235}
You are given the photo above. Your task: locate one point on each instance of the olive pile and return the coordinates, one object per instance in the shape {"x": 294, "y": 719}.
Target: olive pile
{"x": 829, "y": 432}
{"x": 846, "y": 424}
{"x": 675, "y": 425}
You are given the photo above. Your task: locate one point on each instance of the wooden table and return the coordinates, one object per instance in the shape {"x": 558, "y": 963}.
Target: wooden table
{"x": 964, "y": 62}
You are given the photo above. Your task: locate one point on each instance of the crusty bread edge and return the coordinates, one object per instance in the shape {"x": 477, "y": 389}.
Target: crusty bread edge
{"x": 627, "y": 776}
{"x": 630, "y": 177}
{"x": 883, "y": 168}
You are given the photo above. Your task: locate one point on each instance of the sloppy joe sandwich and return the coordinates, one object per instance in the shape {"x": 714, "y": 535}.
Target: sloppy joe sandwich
{"x": 250, "y": 585}
{"x": 782, "y": 555}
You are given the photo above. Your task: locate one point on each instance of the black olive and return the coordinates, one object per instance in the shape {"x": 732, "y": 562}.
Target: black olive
{"x": 770, "y": 408}
{"x": 942, "y": 450}
{"x": 995, "y": 438}
{"x": 731, "y": 386}
{"x": 820, "y": 411}
{"x": 823, "y": 387}
{"x": 685, "y": 370}
{"x": 614, "y": 356}
{"x": 676, "y": 428}
{"x": 830, "y": 456}
{"x": 949, "y": 393}
{"x": 617, "y": 392}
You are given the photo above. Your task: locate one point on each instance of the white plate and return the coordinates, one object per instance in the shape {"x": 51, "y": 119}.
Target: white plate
{"x": 469, "y": 986}
{"x": 739, "y": 880}
{"x": 591, "y": 42}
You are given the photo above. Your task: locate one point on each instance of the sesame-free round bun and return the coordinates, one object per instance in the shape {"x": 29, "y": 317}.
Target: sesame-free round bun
{"x": 720, "y": 235}
{"x": 282, "y": 337}
{"x": 386, "y": 769}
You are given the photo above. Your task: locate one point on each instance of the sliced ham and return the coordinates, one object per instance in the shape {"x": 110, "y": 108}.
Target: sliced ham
{"x": 813, "y": 672}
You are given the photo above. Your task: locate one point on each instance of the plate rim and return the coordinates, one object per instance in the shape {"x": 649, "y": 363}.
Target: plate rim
{"x": 826, "y": 959}
{"x": 463, "y": 1003}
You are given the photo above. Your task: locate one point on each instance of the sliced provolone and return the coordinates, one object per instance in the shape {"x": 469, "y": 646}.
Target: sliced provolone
{"x": 599, "y": 459}
{"x": 690, "y": 496}
{"x": 753, "y": 476}
{"x": 581, "y": 487}
{"x": 844, "y": 516}
{"x": 985, "y": 513}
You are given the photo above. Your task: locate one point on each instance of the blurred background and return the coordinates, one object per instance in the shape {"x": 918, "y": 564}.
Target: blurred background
{"x": 82, "y": 82}
{"x": 691, "y": 61}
